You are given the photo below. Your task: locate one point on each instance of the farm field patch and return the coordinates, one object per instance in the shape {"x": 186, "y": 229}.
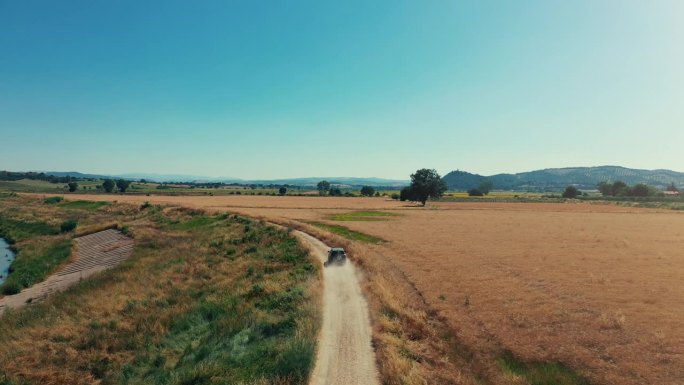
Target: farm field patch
{"x": 368, "y": 215}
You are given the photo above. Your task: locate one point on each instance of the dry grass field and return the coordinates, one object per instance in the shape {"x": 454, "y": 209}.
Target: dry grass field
{"x": 203, "y": 299}
{"x": 595, "y": 287}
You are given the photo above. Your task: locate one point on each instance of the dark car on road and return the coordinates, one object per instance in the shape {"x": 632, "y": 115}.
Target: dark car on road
{"x": 336, "y": 256}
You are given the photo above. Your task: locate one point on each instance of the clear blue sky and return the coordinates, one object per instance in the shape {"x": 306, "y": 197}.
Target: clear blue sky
{"x": 266, "y": 89}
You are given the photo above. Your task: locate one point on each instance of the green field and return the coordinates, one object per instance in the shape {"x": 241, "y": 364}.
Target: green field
{"x": 83, "y": 205}
{"x": 540, "y": 373}
{"x": 30, "y": 185}
{"x": 347, "y": 232}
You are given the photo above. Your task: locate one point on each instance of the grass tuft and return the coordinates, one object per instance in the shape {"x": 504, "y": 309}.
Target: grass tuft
{"x": 53, "y": 200}
{"x": 68, "y": 225}
{"x": 14, "y": 230}
{"x": 33, "y": 263}
{"x": 83, "y": 205}
{"x": 364, "y": 216}
{"x": 348, "y": 233}
{"x": 540, "y": 373}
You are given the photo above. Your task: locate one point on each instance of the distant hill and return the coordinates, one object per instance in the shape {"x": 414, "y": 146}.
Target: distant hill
{"x": 74, "y": 174}
{"x": 556, "y": 179}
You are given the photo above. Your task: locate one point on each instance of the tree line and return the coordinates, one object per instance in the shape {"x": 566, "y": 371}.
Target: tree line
{"x": 108, "y": 185}
{"x": 425, "y": 184}
{"x": 14, "y": 176}
{"x": 621, "y": 189}
{"x": 326, "y": 188}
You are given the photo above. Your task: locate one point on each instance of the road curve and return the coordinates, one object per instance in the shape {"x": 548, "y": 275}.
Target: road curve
{"x": 345, "y": 355}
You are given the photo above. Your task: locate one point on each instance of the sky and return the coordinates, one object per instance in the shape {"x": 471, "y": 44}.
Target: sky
{"x": 278, "y": 89}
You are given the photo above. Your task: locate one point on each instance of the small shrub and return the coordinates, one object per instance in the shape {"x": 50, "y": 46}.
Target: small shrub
{"x": 11, "y": 288}
{"x": 473, "y": 192}
{"x": 570, "y": 192}
{"x": 216, "y": 244}
{"x": 251, "y": 249}
{"x": 52, "y": 200}
{"x": 145, "y": 205}
{"x": 68, "y": 225}
{"x": 256, "y": 290}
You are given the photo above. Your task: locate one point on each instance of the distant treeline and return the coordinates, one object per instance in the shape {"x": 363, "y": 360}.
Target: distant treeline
{"x": 12, "y": 176}
{"x": 621, "y": 189}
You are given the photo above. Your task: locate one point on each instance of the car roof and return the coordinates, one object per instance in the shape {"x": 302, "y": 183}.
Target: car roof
{"x": 336, "y": 249}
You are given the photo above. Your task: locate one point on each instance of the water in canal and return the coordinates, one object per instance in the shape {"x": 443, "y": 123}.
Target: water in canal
{"x": 6, "y": 258}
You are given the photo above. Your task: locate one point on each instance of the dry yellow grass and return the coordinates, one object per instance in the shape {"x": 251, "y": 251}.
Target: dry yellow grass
{"x": 596, "y": 287}
{"x": 197, "y": 288}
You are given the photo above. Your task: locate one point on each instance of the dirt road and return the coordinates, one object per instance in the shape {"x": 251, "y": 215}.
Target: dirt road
{"x": 345, "y": 355}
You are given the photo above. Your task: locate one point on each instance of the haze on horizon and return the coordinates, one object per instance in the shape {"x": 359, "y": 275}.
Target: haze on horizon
{"x": 265, "y": 90}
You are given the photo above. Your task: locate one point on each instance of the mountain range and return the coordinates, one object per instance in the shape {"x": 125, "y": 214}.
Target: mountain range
{"x": 556, "y": 179}
{"x": 550, "y": 179}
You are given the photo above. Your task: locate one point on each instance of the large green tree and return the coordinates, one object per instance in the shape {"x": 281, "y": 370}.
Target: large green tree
{"x": 367, "y": 191}
{"x": 323, "y": 187}
{"x": 605, "y": 188}
{"x": 571, "y": 192}
{"x": 108, "y": 185}
{"x": 620, "y": 188}
{"x": 406, "y": 194}
{"x": 640, "y": 190}
{"x": 485, "y": 186}
{"x": 425, "y": 184}
{"x": 122, "y": 185}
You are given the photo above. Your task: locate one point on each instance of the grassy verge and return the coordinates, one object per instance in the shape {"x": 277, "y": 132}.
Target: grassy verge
{"x": 203, "y": 300}
{"x": 53, "y": 200}
{"x": 38, "y": 245}
{"x": 540, "y": 373}
{"x": 362, "y": 216}
{"x": 348, "y": 233}
{"x": 14, "y": 230}
{"x": 33, "y": 264}
{"x": 83, "y": 205}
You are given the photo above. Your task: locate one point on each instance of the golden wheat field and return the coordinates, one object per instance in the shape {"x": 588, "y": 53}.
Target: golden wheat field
{"x": 599, "y": 288}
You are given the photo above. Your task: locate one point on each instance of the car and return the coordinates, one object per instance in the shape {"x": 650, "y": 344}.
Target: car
{"x": 336, "y": 256}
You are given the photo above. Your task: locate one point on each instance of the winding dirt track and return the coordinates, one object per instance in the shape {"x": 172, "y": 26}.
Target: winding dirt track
{"x": 345, "y": 355}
